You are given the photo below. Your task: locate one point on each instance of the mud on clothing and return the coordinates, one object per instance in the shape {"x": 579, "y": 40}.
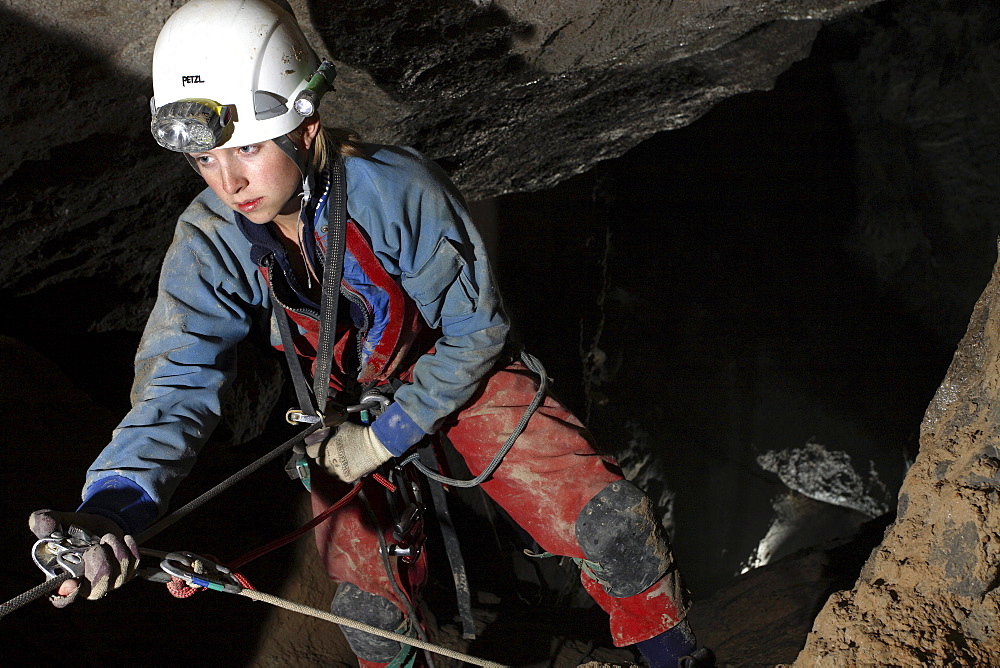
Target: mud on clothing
{"x": 423, "y": 307}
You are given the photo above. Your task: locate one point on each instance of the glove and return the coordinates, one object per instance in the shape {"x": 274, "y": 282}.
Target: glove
{"x": 107, "y": 565}
{"x": 350, "y": 452}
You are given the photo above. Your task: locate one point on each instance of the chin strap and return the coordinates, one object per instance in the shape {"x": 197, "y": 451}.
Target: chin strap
{"x": 301, "y": 159}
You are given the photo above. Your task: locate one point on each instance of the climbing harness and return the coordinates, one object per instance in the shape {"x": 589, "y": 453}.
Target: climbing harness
{"x": 311, "y": 409}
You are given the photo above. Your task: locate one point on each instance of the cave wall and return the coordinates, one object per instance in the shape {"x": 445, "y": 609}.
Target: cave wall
{"x": 721, "y": 315}
{"x": 928, "y": 594}
{"x": 779, "y": 267}
{"x": 507, "y": 96}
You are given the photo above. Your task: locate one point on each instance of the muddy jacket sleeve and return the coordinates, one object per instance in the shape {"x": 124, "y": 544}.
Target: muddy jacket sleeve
{"x": 421, "y": 231}
{"x": 206, "y": 297}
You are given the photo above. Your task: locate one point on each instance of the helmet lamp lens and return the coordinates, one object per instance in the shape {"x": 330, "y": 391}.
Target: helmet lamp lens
{"x": 189, "y": 126}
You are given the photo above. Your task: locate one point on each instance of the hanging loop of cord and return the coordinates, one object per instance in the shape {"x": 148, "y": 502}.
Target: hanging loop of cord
{"x": 534, "y": 364}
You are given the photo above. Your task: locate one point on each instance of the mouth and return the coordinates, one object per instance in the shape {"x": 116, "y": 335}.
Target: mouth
{"x": 249, "y": 205}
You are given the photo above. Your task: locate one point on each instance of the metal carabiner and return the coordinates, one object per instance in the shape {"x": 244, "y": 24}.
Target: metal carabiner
{"x": 371, "y": 404}
{"x": 63, "y": 551}
{"x": 299, "y": 416}
{"x": 334, "y": 415}
{"x": 222, "y": 580}
{"x": 51, "y": 555}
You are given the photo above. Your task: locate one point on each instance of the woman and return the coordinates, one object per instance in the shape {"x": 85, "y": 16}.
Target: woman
{"x": 419, "y": 319}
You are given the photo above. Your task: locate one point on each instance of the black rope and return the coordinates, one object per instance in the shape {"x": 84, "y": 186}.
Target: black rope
{"x": 33, "y": 594}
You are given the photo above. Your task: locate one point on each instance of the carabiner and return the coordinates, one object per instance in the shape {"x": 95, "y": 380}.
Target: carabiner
{"x": 52, "y": 555}
{"x": 299, "y": 416}
{"x": 371, "y": 404}
{"x": 223, "y": 579}
{"x": 63, "y": 551}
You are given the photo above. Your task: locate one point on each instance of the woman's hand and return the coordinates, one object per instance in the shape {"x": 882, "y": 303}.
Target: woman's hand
{"x": 349, "y": 451}
{"x": 107, "y": 564}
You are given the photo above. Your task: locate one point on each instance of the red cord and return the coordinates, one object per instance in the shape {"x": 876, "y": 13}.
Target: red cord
{"x": 180, "y": 589}
{"x": 243, "y": 581}
{"x": 260, "y": 551}
{"x": 382, "y": 481}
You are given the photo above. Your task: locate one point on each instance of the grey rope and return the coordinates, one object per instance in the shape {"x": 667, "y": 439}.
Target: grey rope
{"x": 187, "y": 509}
{"x": 534, "y": 364}
{"x": 52, "y": 584}
{"x": 33, "y": 594}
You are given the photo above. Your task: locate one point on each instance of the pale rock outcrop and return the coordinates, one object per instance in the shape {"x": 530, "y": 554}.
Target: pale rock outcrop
{"x": 928, "y": 594}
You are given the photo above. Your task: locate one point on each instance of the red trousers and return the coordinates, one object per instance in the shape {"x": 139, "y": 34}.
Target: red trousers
{"x": 544, "y": 481}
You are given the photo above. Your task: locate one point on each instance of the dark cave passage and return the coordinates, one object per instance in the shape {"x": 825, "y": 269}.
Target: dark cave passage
{"x": 737, "y": 316}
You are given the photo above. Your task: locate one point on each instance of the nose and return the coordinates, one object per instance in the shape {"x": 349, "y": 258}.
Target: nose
{"x": 233, "y": 179}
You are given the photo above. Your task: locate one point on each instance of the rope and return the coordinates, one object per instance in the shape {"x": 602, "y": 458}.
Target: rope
{"x": 534, "y": 364}
{"x": 273, "y": 545}
{"x": 53, "y": 583}
{"x": 34, "y": 593}
{"x": 180, "y": 589}
{"x": 345, "y": 621}
{"x": 185, "y": 510}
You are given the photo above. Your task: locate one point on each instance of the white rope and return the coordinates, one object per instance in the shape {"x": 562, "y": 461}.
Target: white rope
{"x": 346, "y": 621}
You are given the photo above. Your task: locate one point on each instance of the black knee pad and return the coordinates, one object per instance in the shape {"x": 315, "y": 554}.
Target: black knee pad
{"x": 625, "y": 546}
{"x": 355, "y": 603}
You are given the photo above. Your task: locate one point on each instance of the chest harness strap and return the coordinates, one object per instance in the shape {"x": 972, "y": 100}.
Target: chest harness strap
{"x": 312, "y": 409}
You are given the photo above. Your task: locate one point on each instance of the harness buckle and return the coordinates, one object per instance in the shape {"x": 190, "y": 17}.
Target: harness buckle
{"x": 298, "y": 416}
{"x": 297, "y": 468}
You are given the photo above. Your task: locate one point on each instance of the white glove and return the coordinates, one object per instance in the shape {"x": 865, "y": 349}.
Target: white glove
{"x": 350, "y": 452}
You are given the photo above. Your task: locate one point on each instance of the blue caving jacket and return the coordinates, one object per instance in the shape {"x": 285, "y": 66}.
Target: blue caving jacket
{"x": 213, "y": 289}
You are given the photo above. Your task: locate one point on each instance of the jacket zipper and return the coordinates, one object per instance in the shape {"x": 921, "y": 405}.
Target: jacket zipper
{"x": 270, "y": 264}
{"x": 314, "y": 315}
{"x": 359, "y": 301}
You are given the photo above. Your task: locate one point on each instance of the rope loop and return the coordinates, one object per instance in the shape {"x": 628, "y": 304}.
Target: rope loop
{"x": 180, "y": 589}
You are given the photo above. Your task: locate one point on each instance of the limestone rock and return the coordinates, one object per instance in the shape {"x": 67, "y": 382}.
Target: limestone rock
{"x": 927, "y": 595}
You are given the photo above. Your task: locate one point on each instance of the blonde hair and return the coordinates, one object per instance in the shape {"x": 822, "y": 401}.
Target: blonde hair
{"x": 345, "y": 142}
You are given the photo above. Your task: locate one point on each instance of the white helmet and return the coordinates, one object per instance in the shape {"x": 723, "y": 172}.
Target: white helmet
{"x": 231, "y": 73}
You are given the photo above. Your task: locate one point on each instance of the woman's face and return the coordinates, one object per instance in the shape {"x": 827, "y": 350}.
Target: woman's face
{"x": 258, "y": 180}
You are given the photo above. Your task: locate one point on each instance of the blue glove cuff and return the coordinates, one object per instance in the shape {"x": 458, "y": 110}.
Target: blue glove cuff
{"x": 122, "y": 501}
{"x": 396, "y": 430}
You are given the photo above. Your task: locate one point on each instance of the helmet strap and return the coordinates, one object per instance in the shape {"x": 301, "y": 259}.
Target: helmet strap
{"x": 300, "y": 157}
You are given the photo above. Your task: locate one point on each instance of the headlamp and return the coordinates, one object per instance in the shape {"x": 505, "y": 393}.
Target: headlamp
{"x": 320, "y": 83}
{"x": 190, "y": 126}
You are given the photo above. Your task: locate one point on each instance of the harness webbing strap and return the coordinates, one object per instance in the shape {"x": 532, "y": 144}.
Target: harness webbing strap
{"x": 291, "y": 359}
{"x": 333, "y": 271}
{"x": 452, "y": 547}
